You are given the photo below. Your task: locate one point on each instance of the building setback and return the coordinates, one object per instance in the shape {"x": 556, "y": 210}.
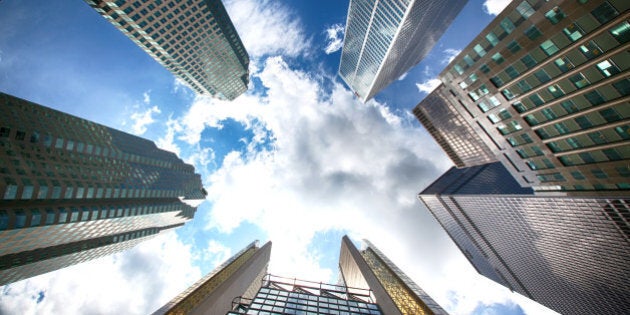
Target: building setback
{"x": 370, "y": 284}
{"x": 567, "y": 253}
{"x": 545, "y": 86}
{"x": 240, "y": 276}
{"x": 194, "y": 39}
{"x": 385, "y": 38}
{"x": 73, "y": 190}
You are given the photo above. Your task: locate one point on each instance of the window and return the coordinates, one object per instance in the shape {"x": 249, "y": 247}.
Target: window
{"x": 597, "y": 137}
{"x": 468, "y": 60}
{"x": 497, "y": 81}
{"x": 612, "y": 154}
{"x": 561, "y": 128}
{"x": 528, "y": 61}
{"x": 621, "y": 32}
{"x": 590, "y": 50}
{"x": 599, "y": 173}
{"x": 498, "y": 58}
{"x": 20, "y": 135}
{"x": 564, "y": 64}
{"x": 577, "y": 175}
{"x": 484, "y": 68}
{"x": 507, "y": 25}
{"x": 555, "y": 90}
{"x": 508, "y": 94}
{"x": 50, "y": 216}
{"x": 610, "y": 114}
{"x": 513, "y": 46}
{"x": 607, "y": 68}
{"x": 542, "y": 76}
{"x": 569, "y": 106}
{"x": 511, "y": 71}
{"x": 4, "y": 220}
{"x": 548, "y": 113}
{"x": 36, "y": 217}
{"x": 573, "y": 32}
{"x": 519, "y": 107}
{"x": 579, "y": 81}
{"x": 594, "y": 97}
{"x": 604, "y": 13}
{"x": 4, "y": 132}
{"x": 473, "y": 77}
{"x": 532, "y": 32}
{"x": 536, "y": 99}
{"x": 549, "y": 47}
{"x": 555, "y": 15}
{"x": 623, "y": 87}
{"x": 492, "y": 38}
{"x": 524, "y": 86}
{"x": 583, "y": 122}
{"x": 525, "y": 9}
{"x": 479, "y": 50}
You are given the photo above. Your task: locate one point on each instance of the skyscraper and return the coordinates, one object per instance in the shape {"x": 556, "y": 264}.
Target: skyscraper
{"x": 545, "y": 87}
{"x": 567, "y": 253}
{"x": 73, "y": 190}
{"x": 241, "y": 275}
{"x": 194, "y": 39}
{"x": 385, "y": 38}
{"x": 371, "y": 284}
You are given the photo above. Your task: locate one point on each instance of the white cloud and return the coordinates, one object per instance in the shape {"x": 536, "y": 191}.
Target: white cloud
{"x": 138, "y": 281}
{"x": 217, "y": 253}
{"x": 142, "y": 119}
{"x": 494, "y": 7}
{"x": 167, "y": 142}
{"x": 334, "y": 36}
{"x": 267, "y": 27}
{"x": 428, "y": 86}
{"x": 449, "y": 55}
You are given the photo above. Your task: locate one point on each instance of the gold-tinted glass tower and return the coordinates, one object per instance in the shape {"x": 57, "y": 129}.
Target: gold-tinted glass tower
{"x": 72, "y": 190}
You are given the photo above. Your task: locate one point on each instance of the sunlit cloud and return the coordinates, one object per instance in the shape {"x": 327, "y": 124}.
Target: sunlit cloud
{"x": 428, "y": 86}
{"x": 449, "y": 55}
{"x": 152, "y": 274}
{"x": 334, "y": 38}
{"x": 494, "y": 7}
{"x": 144, "y": 118}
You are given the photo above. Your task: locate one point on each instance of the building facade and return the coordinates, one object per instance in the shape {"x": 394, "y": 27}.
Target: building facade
{"x": 194, "y": 39}
{"x": 385, "y": 38}
{"x": 453, "y": 133}
{"x": 73, "y": 190}
{"x": 567, "y": 253}
{"x": 240, "y": 276}
{"x": 546, "y": 87}
{"x": 370, "y": 284}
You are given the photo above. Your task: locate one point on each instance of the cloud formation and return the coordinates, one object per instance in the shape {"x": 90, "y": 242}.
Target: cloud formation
{"x": 449, "y": 55}
{"x": 138, "y": 281}
{"x": 494, "y": 7}
{"x": 334, "y": 38}
{"x": 428, "y": 86}
{"x": 267, "y": 27}
{"x": 142, "y": 119}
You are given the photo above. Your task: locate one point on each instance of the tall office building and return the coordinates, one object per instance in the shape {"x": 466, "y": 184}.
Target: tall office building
{"x": 73, "y": 190}
{"x": 567, "y": 253}
{"x": 194, "y": 39}
{"x": 453, "y": 133}
{"x": 372, "y": 284}
{"x": 385, "y": 38}
{"x": 242, "y": 275}
{"x": 545, "y": 86}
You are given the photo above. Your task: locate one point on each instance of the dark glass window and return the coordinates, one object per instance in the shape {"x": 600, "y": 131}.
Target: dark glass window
{"x": 610, "y": 114}
{"x": 498, "y": 58}
{"x": 583, "y": 122}
{"x": 590, "y": 50}
{"x": 623, "y": 87}
{"x": 532, "y": 32}
{"x": 513, "y": 46}
{"x": 524, "y": 86}
{"x": 542, "y": 75}
{"x": 484, "y": 68}
{"x": 605, "y": 12}
{"x": 569, "y": 106}
{"x": 528, "y": 61}
{"x": 564, "y": 64}
{"x": 594, "y": 97}
{"x": 573, "y": 32}
{"x": 549, "y": 47}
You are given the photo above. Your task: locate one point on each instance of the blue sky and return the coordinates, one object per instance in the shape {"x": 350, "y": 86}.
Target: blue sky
{"x": 296, "y": 160}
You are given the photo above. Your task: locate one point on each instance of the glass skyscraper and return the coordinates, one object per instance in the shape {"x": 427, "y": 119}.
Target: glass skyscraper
{"x": 194, "y": 39}
{"x": 545, "y": 87}
{"x": 567, "y": 253}
{"x": 385, "y": 38}
{"x": 369, "y": 284}
{"x": 73, "y": 190}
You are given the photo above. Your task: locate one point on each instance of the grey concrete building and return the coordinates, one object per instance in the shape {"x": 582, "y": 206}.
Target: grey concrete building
{"x": 72, "y": 190}
{"x": 194, "y": 39}
{"x": 385, "y": 38}
{"x": 567, "y": 253}
{"x": 545, "y": 86}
